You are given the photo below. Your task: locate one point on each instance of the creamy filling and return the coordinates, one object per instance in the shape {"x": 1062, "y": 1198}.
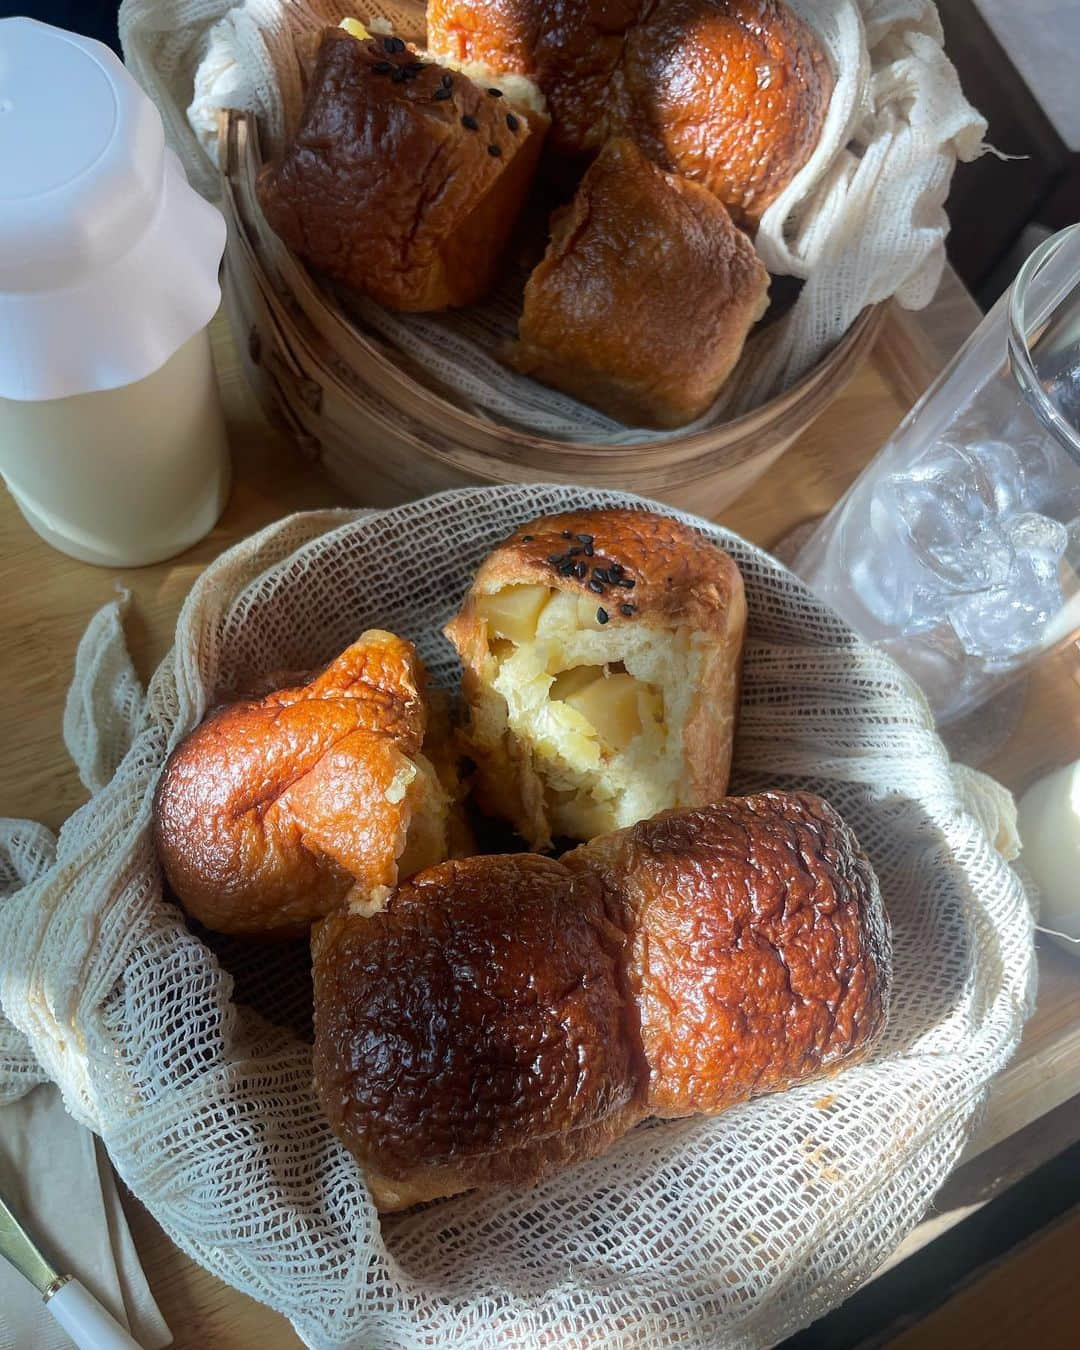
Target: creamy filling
{"x": 425, "y": 836}
{"x": 425, "y": 806}
{"x": 518, "y": 89}
{"x": 603, "y": 708}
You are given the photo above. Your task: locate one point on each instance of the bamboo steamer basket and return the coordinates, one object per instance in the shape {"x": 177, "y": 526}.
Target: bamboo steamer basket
{"x": 383, "y": 436}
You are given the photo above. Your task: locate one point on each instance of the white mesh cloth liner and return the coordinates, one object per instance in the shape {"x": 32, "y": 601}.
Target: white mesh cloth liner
{"x": 862, "y": 221}
{"x": 730, "y": 1231}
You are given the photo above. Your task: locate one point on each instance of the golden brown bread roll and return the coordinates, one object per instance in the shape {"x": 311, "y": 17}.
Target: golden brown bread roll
{"x": 601, "y": 654}
{"x": 273, "y": 811}
{"x": 645, "y": 296}
{"x": 507, "y": 1016}
{"x": 760, "y": 950}
{"x": 730, "y": 93}
{"x": 404, "y": 178}
{"x": 455, "y": 1042}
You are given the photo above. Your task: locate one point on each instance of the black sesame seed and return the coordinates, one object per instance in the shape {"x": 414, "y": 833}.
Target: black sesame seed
{"x": 442, "y": 93}
{"x": 556, "y": 558}
{"x": 447, "y": 80}
{"x": 616, "y": 569}
{"x": 579, "y": 571}
{"x": 566, "y": 568}
{"x": 601, "y": 574}
{"x": 399, "y": 75}
{"x": 470, "y": 123}
{"x": 589, "y": 549}
{"x": 526, "y": 538}
{"x": 601, "y": 615}
{"x": 495, "y": 93}
{"x": 512, "y": 122}
{"x": 494, "y": 151}
{"x": 574, "y": 552}
{"x": 596, "y": 588}
{"x": 393, "y": 44}
{"x": 625, "y": 582}
{"x": 414, "y": 65}
{"x": 626, "y": 610}
{"x": 383, "y": 67}
{"x": 585, "y": 538}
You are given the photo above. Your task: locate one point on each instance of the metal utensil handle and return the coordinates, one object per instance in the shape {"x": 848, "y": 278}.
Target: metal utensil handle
{"x": 85, "y": 1320}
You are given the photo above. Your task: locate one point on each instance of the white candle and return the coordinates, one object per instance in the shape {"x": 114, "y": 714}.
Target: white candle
{"x": 1049, "y": 822}
{"x": 112, "y": 438}
{"x": 122, "y": 477}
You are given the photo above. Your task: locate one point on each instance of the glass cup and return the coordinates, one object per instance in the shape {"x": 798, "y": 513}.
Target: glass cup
{"x": 957, "y": 549}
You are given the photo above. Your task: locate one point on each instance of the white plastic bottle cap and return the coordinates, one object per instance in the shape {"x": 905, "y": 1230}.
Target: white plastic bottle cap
{"x": 108, "y": 259}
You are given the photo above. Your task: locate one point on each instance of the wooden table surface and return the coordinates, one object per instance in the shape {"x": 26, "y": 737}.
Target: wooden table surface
{"x": 47, "y": 599}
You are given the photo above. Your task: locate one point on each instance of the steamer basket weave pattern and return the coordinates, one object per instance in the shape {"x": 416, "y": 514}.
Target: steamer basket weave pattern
{"x": 729, "y": 1231}
{"x": 862, "y": 221}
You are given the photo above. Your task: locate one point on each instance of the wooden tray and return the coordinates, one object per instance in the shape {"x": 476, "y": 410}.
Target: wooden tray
{"x": 384, "y": 436}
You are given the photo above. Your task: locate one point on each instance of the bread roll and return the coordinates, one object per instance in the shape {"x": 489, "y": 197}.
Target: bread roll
{"x": 275, "y": 810}
{"x": 730, "y": 93}
{"x": 646, "y": 294}
{"x": 404, "y": 178}
{"x": 506, "y": 1016}
{"x": 759, "y": 948}
{"x": 601, "y": 654}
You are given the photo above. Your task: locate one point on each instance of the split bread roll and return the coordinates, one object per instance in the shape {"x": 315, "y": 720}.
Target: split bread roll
{"x": 645, "y": 296}
{"x": 404, "y": 178}
{"x": 730, "y": 93}
{"x": 276, "y": 810}
{"x": 601, "y": 654}
{"x": 507, "y": 1016}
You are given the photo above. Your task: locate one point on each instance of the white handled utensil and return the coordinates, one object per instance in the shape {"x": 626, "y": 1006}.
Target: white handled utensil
{"x": 71, "y": 1303}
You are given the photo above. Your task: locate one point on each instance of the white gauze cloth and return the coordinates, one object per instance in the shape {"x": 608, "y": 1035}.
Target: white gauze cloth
{"x": 862, "y": 221}
{"x": 193, "y": 1064}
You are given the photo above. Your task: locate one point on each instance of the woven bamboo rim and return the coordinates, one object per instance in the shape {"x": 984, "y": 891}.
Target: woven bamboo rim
{"x": 375, "y": 378}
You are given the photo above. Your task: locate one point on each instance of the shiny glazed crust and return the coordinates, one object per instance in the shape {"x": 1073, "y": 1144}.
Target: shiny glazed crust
{"x": 396, "y": 188}
{"x": 507, "y": 1016}
{"x": 680, "y": 580}
{"x": 273, "y": 811}
{"x": 730, "y": 93}
{"x": 645, "y": 296}
{"x": 473, "y": 1031}
{"x": 760, "y": 951}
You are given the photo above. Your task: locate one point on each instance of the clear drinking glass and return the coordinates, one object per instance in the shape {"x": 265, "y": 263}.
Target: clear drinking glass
{"x": 957, "y": 549}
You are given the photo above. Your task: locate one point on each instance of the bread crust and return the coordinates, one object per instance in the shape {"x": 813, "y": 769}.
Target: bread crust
{"x": 397, "y": 183}
{"x": 645, "y": 296}
{"x": 730, "y": 93}
{"x": 760, "y": 951}
{"x": 474, "y": 1031}
{"x": 507, "y": 1016}
{"x": 274, "y": 811}
{"x": 679, "y": 580}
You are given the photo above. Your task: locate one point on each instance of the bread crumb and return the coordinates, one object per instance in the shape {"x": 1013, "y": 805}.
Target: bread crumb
{"x": 519, "y": 89}
{"x": 399, "y": 784}
{"x": 367, "y": 903}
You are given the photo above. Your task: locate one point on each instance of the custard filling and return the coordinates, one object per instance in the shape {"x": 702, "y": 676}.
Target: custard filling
{"x": 601, "y": 707}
